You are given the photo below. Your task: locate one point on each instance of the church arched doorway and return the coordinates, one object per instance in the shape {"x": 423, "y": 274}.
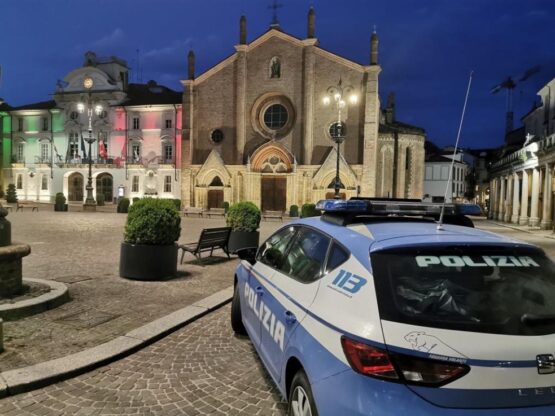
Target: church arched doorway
{"x": 216, "y": 193}
{"x": 105, "y": 186}
{"x": 75, "y": 187}
{"x": 273, "y": 162}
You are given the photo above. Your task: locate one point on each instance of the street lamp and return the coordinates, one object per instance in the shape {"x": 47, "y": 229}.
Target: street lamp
{"x": 90, "y": 108}
{"x": 337, "y": 95}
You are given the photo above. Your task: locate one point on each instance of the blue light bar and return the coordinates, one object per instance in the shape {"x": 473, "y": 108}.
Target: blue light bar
{"x": 340, "y": 205}
{"x": 384, "y": 207}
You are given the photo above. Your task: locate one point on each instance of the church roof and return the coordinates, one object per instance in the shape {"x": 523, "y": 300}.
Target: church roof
{"x": 399, "y": 127}
{"x": 151, "y": 93}
{"x": 41, "y": 105}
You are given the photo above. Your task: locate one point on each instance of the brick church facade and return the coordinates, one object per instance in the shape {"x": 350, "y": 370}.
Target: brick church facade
{"x": 255, "y": 127}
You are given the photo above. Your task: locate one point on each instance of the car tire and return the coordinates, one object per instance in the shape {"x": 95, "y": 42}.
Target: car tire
{"x": 236, "y": 318}
{"x": 301, "y": 401}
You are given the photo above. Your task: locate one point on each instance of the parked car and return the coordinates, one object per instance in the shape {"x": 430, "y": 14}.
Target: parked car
{"x": 359, "y": 312}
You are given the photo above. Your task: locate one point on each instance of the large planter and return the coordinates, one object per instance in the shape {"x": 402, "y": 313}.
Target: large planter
{"x": 242, "y": 239}
{"x": 147, "y": 262}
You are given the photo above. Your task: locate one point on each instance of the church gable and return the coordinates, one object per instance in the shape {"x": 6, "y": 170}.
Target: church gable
{"x": 213, "y": 170}
{"x": 325, "y": 175}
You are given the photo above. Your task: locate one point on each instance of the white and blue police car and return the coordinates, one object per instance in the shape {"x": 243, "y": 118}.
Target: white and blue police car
{"x": 358, "y": 312}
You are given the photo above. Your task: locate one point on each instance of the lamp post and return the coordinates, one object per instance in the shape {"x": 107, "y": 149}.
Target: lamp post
{"x": 90, "y": 203}
{"x": 336, "y": 95}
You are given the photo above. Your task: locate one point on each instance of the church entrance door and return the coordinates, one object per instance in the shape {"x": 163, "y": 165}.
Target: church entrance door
{"x": 274, "y": 193}
{"x": 215, "y": 198}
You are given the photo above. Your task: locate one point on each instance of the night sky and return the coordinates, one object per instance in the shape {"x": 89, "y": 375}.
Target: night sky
{"x": 427, "y": 48}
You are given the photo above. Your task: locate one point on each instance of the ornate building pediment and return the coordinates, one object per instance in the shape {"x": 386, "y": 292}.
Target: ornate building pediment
{"x": 326, "y": 173}
{"x": 212, "y": 167}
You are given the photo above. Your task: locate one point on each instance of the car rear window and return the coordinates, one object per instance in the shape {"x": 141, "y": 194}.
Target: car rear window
{"x": 500, "y": 290}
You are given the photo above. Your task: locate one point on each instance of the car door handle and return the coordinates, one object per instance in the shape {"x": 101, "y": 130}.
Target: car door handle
{"x": 290, "y": 317}
{"x": 259, "y": 291}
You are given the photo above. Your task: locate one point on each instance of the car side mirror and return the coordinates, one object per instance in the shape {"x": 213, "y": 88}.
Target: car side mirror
{"x": 248, "y": 254}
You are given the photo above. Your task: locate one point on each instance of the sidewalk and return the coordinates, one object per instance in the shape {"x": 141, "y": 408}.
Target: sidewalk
{"x": 82, "y": 251}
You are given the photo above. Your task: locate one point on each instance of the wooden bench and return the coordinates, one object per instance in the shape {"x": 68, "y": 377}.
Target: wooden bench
{"x": 187, "y": 211}
{"x": 210, "y": 239}
{"x": 27, "y": 204}
{"x": 272, "y": 214}
{"x": 8, "y": 207}
{"x": 218, "y": 212}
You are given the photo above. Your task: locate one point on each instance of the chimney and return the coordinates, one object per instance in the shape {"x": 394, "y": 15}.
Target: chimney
{"x": 374, "y": 48}
{"x": 243, "y": 30}
{"x": 311, "y": 23}
{"x": 191, "y": 61}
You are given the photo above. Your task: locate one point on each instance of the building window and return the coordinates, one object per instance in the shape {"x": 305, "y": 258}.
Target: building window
{"x": 19, "y": 181}
{"x": 168, "y": 124}
{"x": 44, "y": 152}
{"x": 135, "y": 184}
{"x": 103, "y": 114}
{"x": 275, "y": 116}
{"x": 217, "y": 136}
{"x": 19, "y": 152}
{"x": 136, "y": 151}
{"x": 168, "y": 153}
{"x": 44, "y": 183}
{"x": 44, "y": 124}
{"x": 275, "y": 67}
{"x": 19, "y": 124}
{"x": 167, "y": 183}
{"x": 73, "y": 146}
{"x": 136, "y": 124}
{"x": 74, "y": 115}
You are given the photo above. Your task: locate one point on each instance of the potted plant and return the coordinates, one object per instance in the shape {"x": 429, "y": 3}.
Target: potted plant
{"x": 244, "y": 220}
{"x": 60, "y": 202}
{"x": 149, "y": 251}
{"x": 11, "y": 195}
{"x": 294, "y": 211}
{"x": 309, "y": 210}
{"x": 123, "y": 205}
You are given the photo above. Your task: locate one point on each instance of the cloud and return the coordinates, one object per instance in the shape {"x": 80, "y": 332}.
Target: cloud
{"x": 177, "y": 47}
{"x": 116, "y": 37}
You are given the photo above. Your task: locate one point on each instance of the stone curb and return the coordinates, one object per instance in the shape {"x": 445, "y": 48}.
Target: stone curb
{"x": 49, "y": 372}
{"x": 552, "y": 237}
{"x": 57, "y": 296}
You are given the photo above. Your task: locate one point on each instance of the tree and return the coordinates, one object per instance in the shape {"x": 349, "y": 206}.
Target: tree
{"x": 11, "y": 196}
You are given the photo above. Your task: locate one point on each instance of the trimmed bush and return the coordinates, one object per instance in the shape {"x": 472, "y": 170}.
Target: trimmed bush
{"x": 309, "y": 210}
{"x": 1, "y": 193}
{"x": 177, "y": 203}
{"x": 100, "y": 200}
{"x": 136, "y": 198}
{"x": 11, "y": 196}
{"x": 123, "y": 205}
{"x": 294, "y": 211}
{"x": 243, "y": 216}
{"x": 59, "y": 202}
{"x": 153, "y": 221}
{"x": 225, "y": 206}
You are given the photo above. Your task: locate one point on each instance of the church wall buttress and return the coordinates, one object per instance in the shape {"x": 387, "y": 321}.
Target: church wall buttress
{"x": 308, "y": 107}
{"x": 240, "y": 100}
{"x": 371, "y": 123}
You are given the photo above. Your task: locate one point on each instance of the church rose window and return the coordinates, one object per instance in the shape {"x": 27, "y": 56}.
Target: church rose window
{"x": 217, "y": 136}
{"x": 275, "y": 116}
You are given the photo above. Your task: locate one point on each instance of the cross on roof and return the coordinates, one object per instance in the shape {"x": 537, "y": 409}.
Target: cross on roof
{"x": 275, "y": 6}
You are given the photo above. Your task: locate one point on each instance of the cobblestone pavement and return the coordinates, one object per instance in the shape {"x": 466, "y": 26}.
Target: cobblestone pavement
{"x": 202, "y": 369}
{"x": 82, "y": 251}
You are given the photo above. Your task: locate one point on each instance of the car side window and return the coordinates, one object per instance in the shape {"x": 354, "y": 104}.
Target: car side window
{"x": 305, "y": 259}
{"x": 272, "y": 252}
{"x": 338, "y": 256}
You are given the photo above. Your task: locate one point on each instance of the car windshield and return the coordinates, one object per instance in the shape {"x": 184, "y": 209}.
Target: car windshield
{"x": 502, "y": 290}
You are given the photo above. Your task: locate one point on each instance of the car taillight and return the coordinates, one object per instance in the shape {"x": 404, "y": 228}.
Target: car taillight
{"x": 379, "y": 363}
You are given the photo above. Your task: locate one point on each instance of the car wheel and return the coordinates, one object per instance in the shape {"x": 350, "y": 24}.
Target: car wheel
{"x": 301, "y": 402}
{"x": 236, "y": 319}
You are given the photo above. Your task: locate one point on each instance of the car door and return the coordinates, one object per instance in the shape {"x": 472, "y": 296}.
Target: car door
{"x": 269, "y": 256}
{"x": 293, "y": 288}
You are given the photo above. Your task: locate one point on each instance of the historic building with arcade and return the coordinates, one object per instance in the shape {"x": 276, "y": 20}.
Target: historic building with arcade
{"x": 136, "y": 127}
{"x": 257, "y": 127}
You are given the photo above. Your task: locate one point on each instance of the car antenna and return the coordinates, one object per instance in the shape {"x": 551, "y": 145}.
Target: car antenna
{"x": 440, "y": 223}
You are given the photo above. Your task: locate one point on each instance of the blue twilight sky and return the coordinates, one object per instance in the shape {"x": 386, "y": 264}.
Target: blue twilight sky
{"x": 427, "y": 48}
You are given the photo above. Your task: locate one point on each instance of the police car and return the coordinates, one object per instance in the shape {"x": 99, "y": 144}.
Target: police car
{"x": 359, "y": 312}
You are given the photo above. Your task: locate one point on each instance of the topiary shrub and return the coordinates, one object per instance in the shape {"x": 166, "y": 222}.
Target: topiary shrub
{"x": 136, "y": 198}
{"x": 59, "y": 202}
{"x": 309, "y": 210}
{"x": 123, "y": 205}
{"x": 177, "y": 203}
{"x": 294, "y": 211}
{"x": 1, "y": 193}
{"x": 153, "y": 221}
{"x": 243, "y": 216}
{"x": 11, "y": 195}
{"x": 100, "y": 200}
{"x": 225, "y": 206}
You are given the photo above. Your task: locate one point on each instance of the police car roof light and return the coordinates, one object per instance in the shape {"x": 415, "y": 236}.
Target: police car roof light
{"x": 383, "y": 207}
